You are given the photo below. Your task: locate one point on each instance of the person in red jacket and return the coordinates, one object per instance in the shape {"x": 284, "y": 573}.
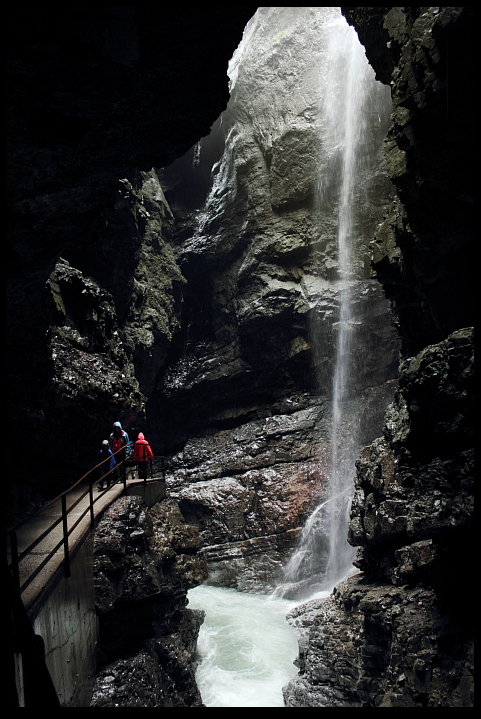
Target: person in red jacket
{"x": 142, "y": 455}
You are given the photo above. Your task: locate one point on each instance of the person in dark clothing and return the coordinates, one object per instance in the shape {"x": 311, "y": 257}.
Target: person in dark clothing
{"x": 108, "y": 463}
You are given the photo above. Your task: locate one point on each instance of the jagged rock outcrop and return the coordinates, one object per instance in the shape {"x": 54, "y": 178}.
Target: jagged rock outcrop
{"x": 109, "y": 332}
{"x": 420, "y": 254}
{"x": 145, "y": 560}
{"x": 400, "y": 634}
{"x": 415, "y": 486}
{"x": 377, "y": 645}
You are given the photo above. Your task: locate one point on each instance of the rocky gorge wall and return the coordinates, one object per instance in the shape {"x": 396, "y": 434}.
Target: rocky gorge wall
{"x": 97, "y": 97}
{"x": 244, "y": 405}
{"x": 400, "y": 633}
{"x": 145, "y": 561}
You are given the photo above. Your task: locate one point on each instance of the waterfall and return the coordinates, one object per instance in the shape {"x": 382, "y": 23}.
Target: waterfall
{"x": 344, "y": 101}
{"x": 351, "y": 107}
{"x": 246, "y": 648}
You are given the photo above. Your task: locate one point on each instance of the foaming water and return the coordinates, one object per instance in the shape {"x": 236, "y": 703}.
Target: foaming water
{"x": 246, "y": 648}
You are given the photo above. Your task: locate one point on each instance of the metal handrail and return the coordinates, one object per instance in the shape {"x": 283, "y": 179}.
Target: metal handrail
{"x": 16, "y": 558}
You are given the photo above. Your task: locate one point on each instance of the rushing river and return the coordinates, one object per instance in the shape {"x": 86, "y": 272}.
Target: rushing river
{"x": 246, "y": 648}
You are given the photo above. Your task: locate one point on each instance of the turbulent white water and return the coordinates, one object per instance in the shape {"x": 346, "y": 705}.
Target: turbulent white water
{"x": 246, "y": 648}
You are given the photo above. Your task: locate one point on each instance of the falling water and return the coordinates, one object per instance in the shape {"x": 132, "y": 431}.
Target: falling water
{"x": 345, "y": 114}
{"x": 352, "y": 101}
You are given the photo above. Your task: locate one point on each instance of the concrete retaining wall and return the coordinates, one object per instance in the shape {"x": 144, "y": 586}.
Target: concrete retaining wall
{"x": 64, "y": 619}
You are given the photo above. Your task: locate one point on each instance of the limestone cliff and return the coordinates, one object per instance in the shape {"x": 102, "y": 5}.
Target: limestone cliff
{"x": 145, "y": 560}
{"x": 244, "y": 406}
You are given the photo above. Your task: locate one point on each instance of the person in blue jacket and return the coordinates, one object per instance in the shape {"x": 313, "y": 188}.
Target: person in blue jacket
{"x": 119, "y": 443}
{"x": 106, "y": 466}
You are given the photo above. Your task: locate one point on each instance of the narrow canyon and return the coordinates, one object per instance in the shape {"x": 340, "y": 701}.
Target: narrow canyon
{"x": 247, "y": 233}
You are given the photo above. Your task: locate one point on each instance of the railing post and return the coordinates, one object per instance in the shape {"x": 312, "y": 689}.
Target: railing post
{"x": 91, "y": 500}
{"x": 65, "y": 535}
{"x": 144, "y": 465}
{"x": 124, "y": 469}
{"x": 14, "y": 555}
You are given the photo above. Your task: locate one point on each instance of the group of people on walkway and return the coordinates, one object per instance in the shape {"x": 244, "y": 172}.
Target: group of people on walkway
{"x": 119, "y": 448}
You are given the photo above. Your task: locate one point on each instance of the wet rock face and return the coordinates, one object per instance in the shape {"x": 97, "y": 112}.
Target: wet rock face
{"x": 415, "y": 486}
{"x": 98, "y": 96}
{"x": 244, "y": 404}
{"x": 250, "y": 489}
{"x": 145, "y": 560}
{"x": 376, "y": 645}
{"x": 421, "y": 249}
